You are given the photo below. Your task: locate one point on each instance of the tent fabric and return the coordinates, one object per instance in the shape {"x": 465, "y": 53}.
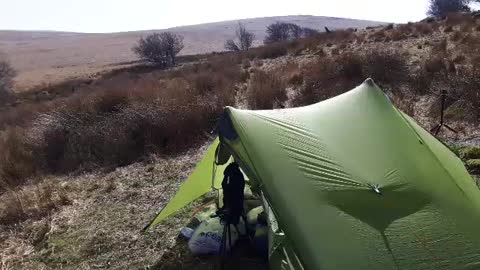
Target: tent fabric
{"x": 354, "y": 183}
{"x": 199, "y": 183}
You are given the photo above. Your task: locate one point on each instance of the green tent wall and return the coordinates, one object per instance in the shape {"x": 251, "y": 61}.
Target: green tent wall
{"x": 354, "y": 183}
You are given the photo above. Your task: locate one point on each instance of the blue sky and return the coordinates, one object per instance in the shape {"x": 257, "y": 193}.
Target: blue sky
{"x": 121, "y": 15}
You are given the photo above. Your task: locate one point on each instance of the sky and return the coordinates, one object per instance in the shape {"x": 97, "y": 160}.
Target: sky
{"x": 101, "y": 16}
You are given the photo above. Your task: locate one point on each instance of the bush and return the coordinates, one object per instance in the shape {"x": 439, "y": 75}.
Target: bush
{"x": 465, "y": 85}
{"x": 396, "y": 35}
{"x": 385, "y": 66}
{"x": 423, "y": 29}
{"x": 119, "y": 121}
{"x": 456, "y": 36}
{"x": 160, "y": 49}
{"x": 6, "y": 80}
{"x": 378, "y": 35}
{"x": 266, "y": 91}
{"x": 281, "y": 31}
{"x": 296, "y": 79}
{"x": 440, "y": 8}
{"x": 17, "y": 162}
{"x": 272, "y": 51}
{"x": 88, "y": 137}
{"x": 448, "y": 29}
{"x": 244, "y": 37}
{"x": 329, "y": 77}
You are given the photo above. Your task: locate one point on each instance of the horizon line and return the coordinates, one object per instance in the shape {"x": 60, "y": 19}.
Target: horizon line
{"x": 180, "y": 26}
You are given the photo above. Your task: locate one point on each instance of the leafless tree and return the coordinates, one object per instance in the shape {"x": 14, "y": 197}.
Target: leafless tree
{"x": 7, "y": 73}
{"x": 277, "y": 32}
{"x": 230, "y": 45}
{"x": 281, "y": 31}
{"x": 443, "y": 7}
{"x": 160, "y": 48}
{"x": 244, "y": 37}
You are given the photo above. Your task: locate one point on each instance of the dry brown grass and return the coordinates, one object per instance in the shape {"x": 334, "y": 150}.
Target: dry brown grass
{"x": 386, "y": 66}
{"x": 33, "y": 202}
{"x": 119, "y": 120}
{"x": 396, "y": 35}
{"x": 16, "y": 158}
{"x": 266, "y": 90}
{"x": 330, "y": 76}
{"x": 271, "y": 51}
{"x": 423, "y": 29}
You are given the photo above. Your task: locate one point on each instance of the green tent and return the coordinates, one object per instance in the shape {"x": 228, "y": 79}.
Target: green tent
{"x": 349, "y": 183}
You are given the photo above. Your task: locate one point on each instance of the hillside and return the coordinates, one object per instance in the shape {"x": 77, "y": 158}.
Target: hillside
{"x": 85, "y": 164}
{"x": 46, "y": 57}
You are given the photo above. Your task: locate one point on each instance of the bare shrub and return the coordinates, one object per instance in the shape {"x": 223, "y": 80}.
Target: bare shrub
{"x": 115, "y": 126}
{"x": 16, "y": 159}
{"x": 378, "y": 35}
{"x": 420, "y": 82}
{"x": 329, "y": 77}
{"x": 271, "y": 51}
{"x": 161, "y": 118}
{"x": 423, "y": 29}
{"x": 266, "y": 91}
{"x": 386, "y": 67}
{"x": 230, "y": 45}
{"x": 258, "y": 63}
{"x": 290, "y": 71}
{"x": 296, "y": 79}
{"x": 456, "y": 36}
{"x": 7, "y": 73}
{"x": 281, "y": 31}
{"x": 464, "y": 87}
{"x": 405, "y": 29}
{"x": 159, "y": 48}
{"x": 22, "y": 114}
{"x": 246, "y": 64}
{"x": 244, "y": 39}
{"x": 396, "y": 35}
{"x": 448, "y": 29}
{"x": 443, "y": 7}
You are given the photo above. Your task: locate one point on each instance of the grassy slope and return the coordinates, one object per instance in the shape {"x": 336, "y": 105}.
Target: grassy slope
{"x": 102, "y": 227}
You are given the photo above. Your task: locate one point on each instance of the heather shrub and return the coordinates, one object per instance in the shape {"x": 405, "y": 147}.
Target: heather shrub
{"x": 266, "y": 91}
{"x": 159, "y": 48}
{"x": 16, "y": 158}
{"x": 423, "y": 29}
{"x": 271, "y": 51}
{"x": 7, "y": 73}
{"x": 385, "y": 66}
{"x": 328, "y": 77}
